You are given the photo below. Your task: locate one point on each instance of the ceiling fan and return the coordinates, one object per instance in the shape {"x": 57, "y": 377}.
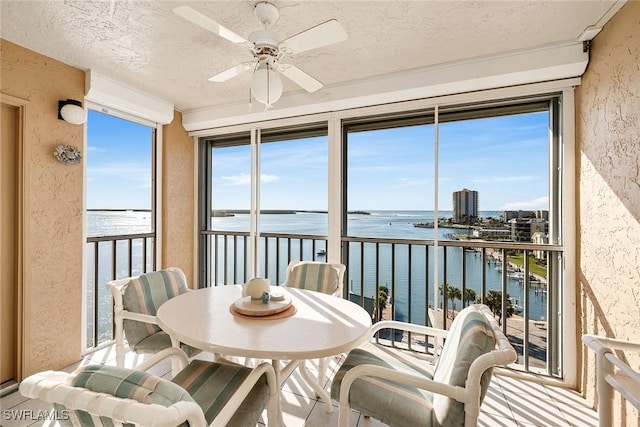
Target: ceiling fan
{"x": 268, "y": 49}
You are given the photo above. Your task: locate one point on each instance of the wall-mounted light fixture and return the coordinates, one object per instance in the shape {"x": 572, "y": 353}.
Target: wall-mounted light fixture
{"x": 71, "y": 111}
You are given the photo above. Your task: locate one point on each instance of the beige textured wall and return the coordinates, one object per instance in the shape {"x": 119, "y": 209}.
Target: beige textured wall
{"x": 178, "y": 198}
{"x": 608, "y": 135}
{"x": 54, "y": 208}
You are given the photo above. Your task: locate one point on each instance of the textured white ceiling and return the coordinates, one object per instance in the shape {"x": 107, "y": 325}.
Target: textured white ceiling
{"x": 146, "y": 46}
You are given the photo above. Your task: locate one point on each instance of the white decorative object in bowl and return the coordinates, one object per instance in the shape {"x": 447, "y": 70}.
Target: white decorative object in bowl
{"x": 256, "y": 287}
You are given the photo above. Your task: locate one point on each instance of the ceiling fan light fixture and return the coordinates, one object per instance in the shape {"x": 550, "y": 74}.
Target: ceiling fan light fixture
{"x": 266, "y": 13}
{"x": 266, "y": 85}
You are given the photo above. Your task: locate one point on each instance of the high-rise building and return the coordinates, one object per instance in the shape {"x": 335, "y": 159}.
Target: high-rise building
{"x": 465, "y": 206}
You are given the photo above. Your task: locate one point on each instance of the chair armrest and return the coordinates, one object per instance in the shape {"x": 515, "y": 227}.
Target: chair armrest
{"x": 454, "y": 392}
{"x": 50, "y": 386}
{"x": 595, "y": 342}
{"x": 146, "y": 318}
{"x": 180, "y": 357}
{"x": 243, "y": 391}
{"x": 409, "y": 327}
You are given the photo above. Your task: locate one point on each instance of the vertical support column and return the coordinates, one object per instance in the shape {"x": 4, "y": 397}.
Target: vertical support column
{"x": 254, "y": 213}
{"x": 334, "y": 187}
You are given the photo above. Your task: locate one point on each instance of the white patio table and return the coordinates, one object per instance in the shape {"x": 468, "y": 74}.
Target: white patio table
{"x": 322, "y": 326}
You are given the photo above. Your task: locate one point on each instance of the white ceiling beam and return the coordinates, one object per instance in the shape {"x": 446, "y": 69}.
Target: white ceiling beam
{"x": 510, "y": 69}
{"x": 109, "y": 93}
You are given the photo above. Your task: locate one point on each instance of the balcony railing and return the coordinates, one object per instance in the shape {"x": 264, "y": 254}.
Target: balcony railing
{"x": 495, "y": 272}
{"x": 404, "y": 267}
{"x": 109, "y": 258}
{"x": 229, "y": 262}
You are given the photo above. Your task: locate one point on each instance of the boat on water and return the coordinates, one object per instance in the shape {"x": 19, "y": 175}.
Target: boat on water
{"x": 516, "y": 307}
{"x": 515, "y": 274}
{"x": 321, "y": 252}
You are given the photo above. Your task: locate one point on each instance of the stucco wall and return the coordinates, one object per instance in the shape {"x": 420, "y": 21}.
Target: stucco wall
{"x": 608, "y": 135}
{"x": 54, "y": 208}
{"x": 178, "y": 198}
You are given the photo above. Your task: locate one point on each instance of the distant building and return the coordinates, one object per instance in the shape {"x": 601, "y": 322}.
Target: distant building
{"x": 540, "y": 238}
{"x": 539, "y": 214}
{"x": 492, "y": 233}
{"x": 465, "y": 206}
{"x": 523, "y": 229}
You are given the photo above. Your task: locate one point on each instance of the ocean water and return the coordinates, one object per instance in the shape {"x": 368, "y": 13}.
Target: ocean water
{"x": 408, "y": 282}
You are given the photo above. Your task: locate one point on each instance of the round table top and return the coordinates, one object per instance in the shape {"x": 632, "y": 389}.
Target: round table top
{"x": 322, "y": 326}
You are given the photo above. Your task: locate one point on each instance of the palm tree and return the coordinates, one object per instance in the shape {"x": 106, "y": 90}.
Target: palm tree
{"x": 452, "y": 294}
{"x": 493, "y": 300}
{"x": 469, "y": 296}
{"x": 383, "y": 300}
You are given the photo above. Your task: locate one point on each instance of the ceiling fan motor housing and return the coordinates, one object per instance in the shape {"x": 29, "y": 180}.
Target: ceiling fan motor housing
{"x": 266, "y": 43}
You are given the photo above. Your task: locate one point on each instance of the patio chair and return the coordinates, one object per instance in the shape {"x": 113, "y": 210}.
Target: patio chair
{"x": 203, "y": 393}
{"x": 320, "y": 277}
{"x": 401, "y": 390}
{"x": 613, "y": 373}
{"x": 135, "y": 303}
{"x": 316, "y": 276}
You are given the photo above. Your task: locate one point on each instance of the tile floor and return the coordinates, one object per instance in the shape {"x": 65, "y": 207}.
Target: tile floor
{"x": 509, "y": 402}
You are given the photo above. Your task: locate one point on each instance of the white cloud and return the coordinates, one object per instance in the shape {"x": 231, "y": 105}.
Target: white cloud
{"x": 413, "y": 182}
{"x": 539, "y": 203}
{"x": 94, "y": 149}
{"x": 245, "y": 179}
{"x": 120, "y": 169}
{"x": 524, "y": 178}
{"x": 137, "y": 175}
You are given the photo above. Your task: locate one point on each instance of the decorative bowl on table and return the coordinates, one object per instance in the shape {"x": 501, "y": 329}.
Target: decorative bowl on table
{"x": 256, "y": 307}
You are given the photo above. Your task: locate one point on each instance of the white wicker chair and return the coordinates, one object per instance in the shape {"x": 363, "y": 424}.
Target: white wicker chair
{"x": 203, "y": 393}
{"x": 401, "y": 390}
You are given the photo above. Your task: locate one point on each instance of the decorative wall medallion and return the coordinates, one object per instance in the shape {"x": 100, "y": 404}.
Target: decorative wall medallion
{"x": 67, "y": 154}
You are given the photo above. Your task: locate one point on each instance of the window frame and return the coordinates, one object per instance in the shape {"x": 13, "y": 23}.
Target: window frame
{"x": 566, "y": 169}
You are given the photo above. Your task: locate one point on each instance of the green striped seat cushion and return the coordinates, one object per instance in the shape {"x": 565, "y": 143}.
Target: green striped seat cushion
{"x": 314, "y": 276}
{"x": 159, "y": 341}
{"x": 470, "y": 336}
{"x": 119, "y": 382}
{"x": 212, "y": 384}
{"x": 392, "y": 403}
{"x": 145, "y": 294}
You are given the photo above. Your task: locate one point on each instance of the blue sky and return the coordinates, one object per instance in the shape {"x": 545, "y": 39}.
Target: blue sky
{"x": 118, "y": 163}
{"x": 504, "y": 158}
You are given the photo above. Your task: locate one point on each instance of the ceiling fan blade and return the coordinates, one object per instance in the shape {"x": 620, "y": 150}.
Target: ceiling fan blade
{"x": 301, "y": 78}
{"x": 207, "y": 23}
{"x": 232, "y": 72}
{"x": 324, "y": 34}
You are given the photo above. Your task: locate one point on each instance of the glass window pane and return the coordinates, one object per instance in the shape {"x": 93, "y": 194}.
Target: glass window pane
{"x": 502, "y": 163}
{"x": 119, "y": 161}
{"x": 293, "y": 186}
{"x": 390, "y": 182}
{"x": 119, "y": 176}
{"x": 231, "y": 187}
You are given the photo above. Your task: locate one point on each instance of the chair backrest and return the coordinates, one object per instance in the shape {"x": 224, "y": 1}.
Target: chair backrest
{"x": 316, "y": 276}
{"x": 471, "y": 335}
{"x": 145, "y": 294}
